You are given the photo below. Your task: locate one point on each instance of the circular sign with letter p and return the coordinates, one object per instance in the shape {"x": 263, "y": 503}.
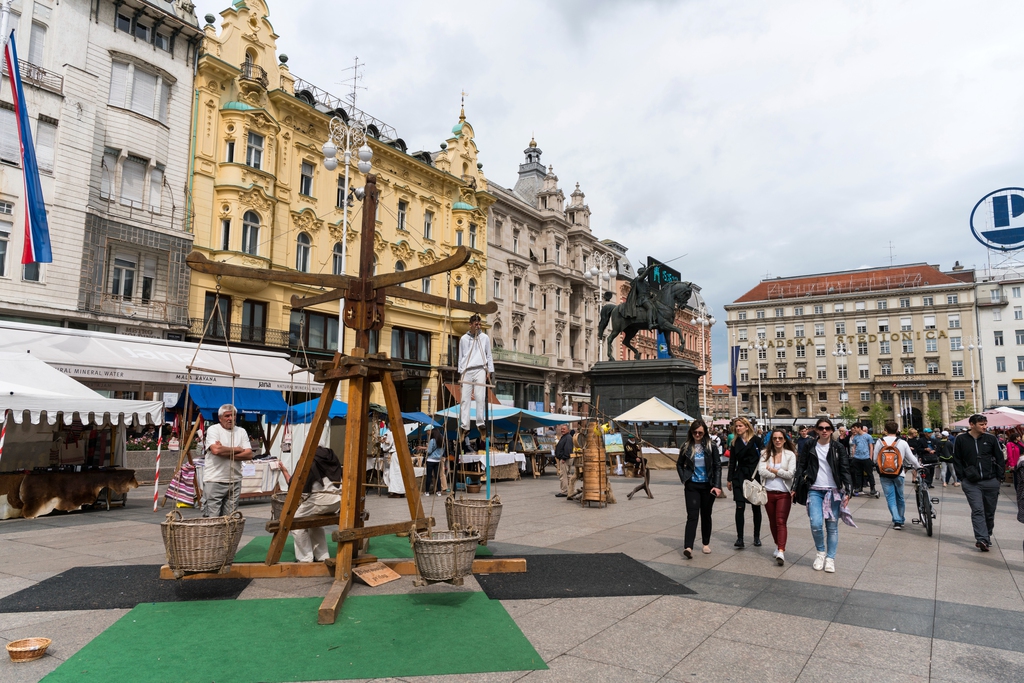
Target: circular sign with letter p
{"x": 997, "y": 221}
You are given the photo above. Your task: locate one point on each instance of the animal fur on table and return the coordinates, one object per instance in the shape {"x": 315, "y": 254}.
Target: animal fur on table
{"x": 40, "y": 493}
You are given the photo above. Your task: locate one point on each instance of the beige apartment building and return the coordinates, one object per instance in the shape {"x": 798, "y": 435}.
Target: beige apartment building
{"x": 814, "y": 344}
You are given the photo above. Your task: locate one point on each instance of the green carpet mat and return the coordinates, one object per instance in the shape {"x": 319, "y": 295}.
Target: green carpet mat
{"x": 241, "y": 641}
{"x": 384, "y": 547}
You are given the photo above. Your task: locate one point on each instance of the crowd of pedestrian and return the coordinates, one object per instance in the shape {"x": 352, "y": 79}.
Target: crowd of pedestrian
{"x": 821, "y": 468}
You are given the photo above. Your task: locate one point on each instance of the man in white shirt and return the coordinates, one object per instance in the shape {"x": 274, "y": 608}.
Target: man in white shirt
{"x": 476, "y": 369}
{"x": 226, "y": 447}
{"x": 892, "y": 486}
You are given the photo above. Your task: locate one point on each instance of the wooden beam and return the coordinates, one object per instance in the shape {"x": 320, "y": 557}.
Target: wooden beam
{"x": 331, "y": 605}
{"x": 379, "y": 530}
{"x": 458, "y": 259}
{"x": 488, "y": 566}
{"x": 310, "y": 522}
{"x": 201, "y": 264}
{"x": 396, "y": 292}
{"x": 412, "y": 494}
{"x": 256, "y": 570}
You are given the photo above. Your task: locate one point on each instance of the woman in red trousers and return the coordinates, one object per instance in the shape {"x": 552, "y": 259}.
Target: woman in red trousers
{"x": 776, "y": 467}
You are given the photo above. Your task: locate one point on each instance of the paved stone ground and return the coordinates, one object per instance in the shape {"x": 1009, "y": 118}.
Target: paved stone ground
{"x": 901, "y": 607}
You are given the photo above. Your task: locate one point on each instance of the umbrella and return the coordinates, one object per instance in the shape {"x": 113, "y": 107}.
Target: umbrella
{"x": 998, "y": 418}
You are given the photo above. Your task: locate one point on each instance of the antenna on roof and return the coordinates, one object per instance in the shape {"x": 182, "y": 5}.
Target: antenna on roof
{"x": 892, "y": 252}
{"x": 354, "y": 82}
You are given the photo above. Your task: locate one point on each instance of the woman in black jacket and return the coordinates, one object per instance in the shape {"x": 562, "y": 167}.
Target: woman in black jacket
{"x": 820, "y": 487}
{"x": 743, "y": 457}
{"x": 700, "y": 469}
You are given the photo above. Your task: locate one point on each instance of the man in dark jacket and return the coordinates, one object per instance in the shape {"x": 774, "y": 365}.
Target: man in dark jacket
{"x": 564, "y": 459}
{"x": 979, "y": 461}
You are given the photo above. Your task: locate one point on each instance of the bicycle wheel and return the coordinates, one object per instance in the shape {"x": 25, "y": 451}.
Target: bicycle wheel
{"x": 924, "y": 507}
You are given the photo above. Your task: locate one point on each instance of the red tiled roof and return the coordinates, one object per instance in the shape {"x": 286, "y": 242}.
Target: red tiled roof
{"x": 720, "y": 388}
{"x": 873, "y": 280}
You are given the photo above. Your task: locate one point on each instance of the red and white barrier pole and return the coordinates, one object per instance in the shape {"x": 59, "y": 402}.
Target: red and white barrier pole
{"x": 3, "y": 433}
{"x": 156, "y": 475}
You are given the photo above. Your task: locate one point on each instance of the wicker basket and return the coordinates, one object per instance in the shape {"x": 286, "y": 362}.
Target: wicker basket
{"x": 444, "y": 555}
{"x": 204, "y": 544}
{"x": 277, "y": 504}
{"x": 27, "y": 649}
{"x": 476, "y": 513}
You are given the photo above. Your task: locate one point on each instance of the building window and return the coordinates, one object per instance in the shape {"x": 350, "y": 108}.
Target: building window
{"x": 1000, "y": 363}
{"x": 1004, "y": 392}
{"x": 403, "y": 209}
{"x": 10, "y": 143}
{"x": 558, "y": 346}
{"x": 931, "y": 345}
{"x": 134, "y": 88}
{"x": 839, "y": 308}
{"x": 822, "y": 373}
{"x": 5, "y": 240}
{"x": 497, "y": 290}
{"x": 254, "y": 151}
{"x": 780, "y": 354}
{"x": 865, "y": 396}
{"x": 762, "y": 373}
{"x": 759, "y": 315}
{"x": 744, "y": 354}
{"x": 906, "y": 325}
{"x": 1020, "y": 363}
{"x": 908, "y": 346}
{"x": 254, "y": 322}
{"x": 929, "y": 322}
{"x": 229, "y": 152}
{"x": 472, "y": 290}
{"x": 798, "y": 310}
{"x": 162, "y": 41}
{"x": 1016, "y": 292}
{"x": 558, "y": 253}
{"x": 425, "y": 285}
{"x": 801, "y": 371}
{"x": 881, "y": 304}
{"x": 337, "y": 259}
{"x": 908, "y": 368}
{"x": 958, "y": 368}
{"x": 997, "y": 315}
{"x": 819, "y": 309}
{"x": 517, "y": 283}
{"x": 819, "y": 329}
{"x": 1018, "y": 313}
{"x": 124, "y": 23}
{"x": 458, "y": 292}
{"x": 952, "y": 299}
{"x": 428, "y": 224}
{"x": 780, "y": 312}
{"x": 761, "y": 333}
{"x": 997, "y": 338}
{"x": 956, "y": 344}
{"x": 458, "y": 238}
{"x": 781, "y": 372}
{"x": 156, "y": 188}
{"x": 954, "y": 321}
{"x": 862, "y": 327}
{"x": 883, "y": 347}
{"x": 905, "y": 302}
{"x": 742, "y": 335}
{"x": 46, "y": 142}
{"x": 798, "y": 331}
{"x": 532, "y": 293}
{"x": 1020, "y": 337}
{"x": 302, "y": 243}
{"x": 762, "y": 354}
{"x": 217, "y": 315}
{"x": 515, "y": 241}
{"x": 558, "y": 299}
{"x": 819, "y": 351}
{"x": 933, "y": 368}
{"x": 886, "y": 369}
{"x": 960, "y": 394}
{"x": 843, "y": 372}
{"x": 472, "y": 235}
{"x": 141, "y": 32}
{"x": 863, "y": 372}
{"x": 306, "y": 179}
{"x": 133, "y": 181}
{"x": 123, "y": 278}
{"x": 780, "y": 332}
{"x": 225, "y": 234}
{"x": 318, "y": 332}
{"x": 883, "y": 324}
{"x": 862, "y": 348}
{"x": 840, "y": 328}
{"x": 251, "y": 233}
{"x": 801, "y": 351}
{"x": 742, "y": 315}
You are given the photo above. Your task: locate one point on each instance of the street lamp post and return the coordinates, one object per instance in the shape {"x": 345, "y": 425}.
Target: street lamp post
{"x": 973, "y": 343}
{"x": 705, "y": 319}
{"x": 601, "y": 262}
{"x": 346, "y": 138}
{"x": 759, "y": 346}
{"x": 840, "y": 353}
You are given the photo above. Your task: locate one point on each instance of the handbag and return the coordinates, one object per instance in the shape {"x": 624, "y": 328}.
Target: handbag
{"x": 754, "y": 492}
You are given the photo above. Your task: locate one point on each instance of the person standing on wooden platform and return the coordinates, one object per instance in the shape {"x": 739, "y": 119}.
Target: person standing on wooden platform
{"x": 476, "y": 368}
{"x": 226, "y": 447}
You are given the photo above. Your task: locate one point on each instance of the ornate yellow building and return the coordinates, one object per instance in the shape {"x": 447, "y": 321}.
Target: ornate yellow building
{"x": 263, "y": 198}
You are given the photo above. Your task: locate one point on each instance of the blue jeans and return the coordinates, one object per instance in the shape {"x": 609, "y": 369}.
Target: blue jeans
{"x": 892, "y": 487}
{"x": 815, "y": 501}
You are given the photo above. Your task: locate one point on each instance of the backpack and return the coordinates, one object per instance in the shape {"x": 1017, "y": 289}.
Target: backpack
{"x": 890, "y": 460}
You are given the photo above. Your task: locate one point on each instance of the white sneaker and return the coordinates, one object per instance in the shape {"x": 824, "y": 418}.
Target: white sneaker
{"x": 780, "y": 558}
{"x": 775, "y": 553}
{"x": 830, "y": 565}
{"x": 819, "y": 562}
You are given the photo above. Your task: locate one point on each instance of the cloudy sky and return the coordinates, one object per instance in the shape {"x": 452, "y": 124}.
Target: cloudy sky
{"x": 781, "y": 138}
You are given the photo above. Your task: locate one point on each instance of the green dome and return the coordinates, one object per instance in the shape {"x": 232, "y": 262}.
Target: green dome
{"x": 238, "y": 106}
{"x": 463, "y": 206}
{"x": 457, "y": 129}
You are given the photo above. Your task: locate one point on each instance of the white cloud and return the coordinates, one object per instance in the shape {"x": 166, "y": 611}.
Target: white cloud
{"x": 784, "y": 137}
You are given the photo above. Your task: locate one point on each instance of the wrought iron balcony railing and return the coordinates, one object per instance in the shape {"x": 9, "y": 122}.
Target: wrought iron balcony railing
{"x": 240, "y": 334}
{"x": 253, "y": 72}
{"x": 38, "y": 76}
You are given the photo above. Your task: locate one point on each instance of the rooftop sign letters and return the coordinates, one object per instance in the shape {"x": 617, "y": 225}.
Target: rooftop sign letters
{"x": 997, "y": 221}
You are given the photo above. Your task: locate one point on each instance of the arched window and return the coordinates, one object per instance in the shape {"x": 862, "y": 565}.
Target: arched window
{"x": 515, "y": 338}
{"x": 337, "y": 259}
{"x": 302, "y": 243}
{"x": 533, "y": 342}
{"x": 374, "y": 265}
{"x": 471, "y": 292}
{"x": 496, "y": 339}
{"x": 558, "y": 346}
{"x": 400, "y": 268}
{"x": 251, "y": 233}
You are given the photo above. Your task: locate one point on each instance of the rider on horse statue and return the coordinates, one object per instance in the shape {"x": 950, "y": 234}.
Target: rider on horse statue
{"x": 638, "y": 304}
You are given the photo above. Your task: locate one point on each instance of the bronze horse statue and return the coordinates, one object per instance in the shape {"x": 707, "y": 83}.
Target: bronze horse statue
{"x": 671, "y": 296}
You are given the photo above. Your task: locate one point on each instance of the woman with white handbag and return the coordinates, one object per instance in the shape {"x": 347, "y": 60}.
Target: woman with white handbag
{"x": 743, "y": 457}
{"x": 776, "y": 469}
{"x": 822, "y": 483}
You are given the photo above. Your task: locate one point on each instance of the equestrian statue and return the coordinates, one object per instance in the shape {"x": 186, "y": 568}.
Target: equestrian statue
{"x": 648, "y": 306}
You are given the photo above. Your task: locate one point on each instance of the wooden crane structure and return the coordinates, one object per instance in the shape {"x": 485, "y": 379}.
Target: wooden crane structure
{"x": 365, "y": 297}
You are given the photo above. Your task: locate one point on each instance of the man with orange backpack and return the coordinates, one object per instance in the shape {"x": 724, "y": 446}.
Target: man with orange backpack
{"x": 892, "y": 454}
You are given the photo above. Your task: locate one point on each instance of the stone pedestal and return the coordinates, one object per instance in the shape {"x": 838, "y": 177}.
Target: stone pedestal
{"x": 621, "y": 385}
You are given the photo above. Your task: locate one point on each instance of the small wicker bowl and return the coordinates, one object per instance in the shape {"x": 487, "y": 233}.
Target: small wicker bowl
{"x": 27, "y": 649}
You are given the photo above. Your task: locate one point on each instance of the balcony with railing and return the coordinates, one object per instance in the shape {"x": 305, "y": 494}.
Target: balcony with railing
{"x": 38, "y": 76}
{"x": 240, "y": 334}
{"x": 519, "y": 357}
{"x": 255, "y": 73}
{"x": 997, "y": 299}
{"x": 136, "y": 309}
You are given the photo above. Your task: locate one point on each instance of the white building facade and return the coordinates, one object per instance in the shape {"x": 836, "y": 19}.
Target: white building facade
{"x": 1000, "y": 353}
{"x": 109, "y": 91}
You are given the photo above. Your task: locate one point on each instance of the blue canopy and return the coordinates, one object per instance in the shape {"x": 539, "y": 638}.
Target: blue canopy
{"x": 249, "y": 402}
{"x": 303, "y": 412}
{"x": 422, "y": 418}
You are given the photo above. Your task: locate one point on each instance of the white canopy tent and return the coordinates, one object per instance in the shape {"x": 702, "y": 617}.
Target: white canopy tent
{"x": 654, "y": 411}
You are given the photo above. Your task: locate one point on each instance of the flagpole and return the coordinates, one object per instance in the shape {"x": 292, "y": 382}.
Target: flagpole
{"x": 5, "y": 19}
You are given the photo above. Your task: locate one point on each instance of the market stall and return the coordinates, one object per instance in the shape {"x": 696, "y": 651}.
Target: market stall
{"x": 63, "y": 444}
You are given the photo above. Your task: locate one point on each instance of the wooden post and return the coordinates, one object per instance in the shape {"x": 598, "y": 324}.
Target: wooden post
{"x": 401, "y": 446}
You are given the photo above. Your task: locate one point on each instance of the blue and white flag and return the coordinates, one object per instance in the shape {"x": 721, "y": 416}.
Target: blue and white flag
{"x": 37, "y": 231}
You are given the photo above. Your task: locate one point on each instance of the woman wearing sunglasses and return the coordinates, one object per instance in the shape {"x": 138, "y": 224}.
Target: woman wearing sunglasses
{"x": 700, "y": 469}
{"x": 776, "y": 470}
{"x": 743, "y": 457}
{"x": 822, "y": 483}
